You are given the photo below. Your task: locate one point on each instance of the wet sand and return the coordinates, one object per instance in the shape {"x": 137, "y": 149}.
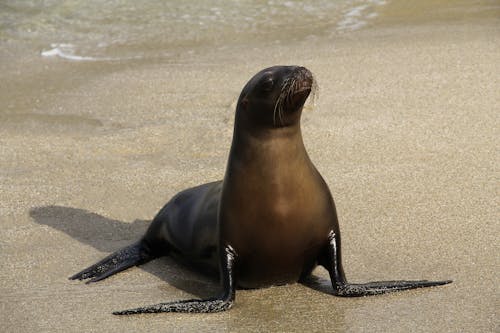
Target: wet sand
{"x": 404, "y": 130}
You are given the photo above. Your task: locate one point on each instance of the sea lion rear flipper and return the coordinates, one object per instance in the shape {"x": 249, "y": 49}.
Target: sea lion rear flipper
{"x": 342, "y": 288}
{"x": 129, "y": 256}
{"x": 222, "y": 303}
{"x": 382, "y": 287}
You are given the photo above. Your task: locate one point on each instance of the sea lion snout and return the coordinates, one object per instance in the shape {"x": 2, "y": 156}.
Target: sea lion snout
{"x": 302, "y": 77}
{"x": 296, "y": 88}
{"x": 305, "y": 74}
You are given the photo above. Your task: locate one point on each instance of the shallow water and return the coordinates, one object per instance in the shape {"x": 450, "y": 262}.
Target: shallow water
{"x": 118, "y": 30}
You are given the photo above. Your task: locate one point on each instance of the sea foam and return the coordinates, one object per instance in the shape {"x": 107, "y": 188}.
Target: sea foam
{"x": 67, "y": 51}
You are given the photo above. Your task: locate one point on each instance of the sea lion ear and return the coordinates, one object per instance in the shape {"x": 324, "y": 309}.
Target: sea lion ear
{"x": 244, "y": 103}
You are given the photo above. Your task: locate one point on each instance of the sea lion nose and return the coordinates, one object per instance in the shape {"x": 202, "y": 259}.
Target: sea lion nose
{"x": 304, "y": 72}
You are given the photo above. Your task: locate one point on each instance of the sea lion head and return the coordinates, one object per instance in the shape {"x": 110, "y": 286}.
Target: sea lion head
{"x": 274, "y": 97}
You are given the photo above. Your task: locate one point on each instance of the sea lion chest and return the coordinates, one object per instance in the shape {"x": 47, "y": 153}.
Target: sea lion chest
{"x": 276, "y": 213}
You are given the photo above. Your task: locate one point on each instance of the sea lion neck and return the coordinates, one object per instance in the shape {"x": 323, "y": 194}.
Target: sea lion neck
{"x": 245, "y": 126}
{"x": 277, "y": 144}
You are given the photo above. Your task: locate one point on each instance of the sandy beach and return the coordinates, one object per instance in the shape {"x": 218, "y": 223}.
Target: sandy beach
{"x": 404, "y": 130}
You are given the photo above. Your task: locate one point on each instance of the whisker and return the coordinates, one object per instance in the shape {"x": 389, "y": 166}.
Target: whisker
{"x": 282, "y": 98}
{"x": 314, "y": 93}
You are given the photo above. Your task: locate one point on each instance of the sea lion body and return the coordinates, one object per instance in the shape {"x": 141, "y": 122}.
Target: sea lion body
{"x": 281, "y": 247}
{"x": 270, "y": 221}
{"x": 274, "y": 207}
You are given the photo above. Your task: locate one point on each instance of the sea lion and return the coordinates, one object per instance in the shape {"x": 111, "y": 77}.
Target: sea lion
{"x": 270, "y": 221}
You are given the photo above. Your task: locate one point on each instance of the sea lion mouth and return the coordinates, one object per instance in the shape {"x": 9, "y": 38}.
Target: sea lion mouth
{"x": 295, "y": 90}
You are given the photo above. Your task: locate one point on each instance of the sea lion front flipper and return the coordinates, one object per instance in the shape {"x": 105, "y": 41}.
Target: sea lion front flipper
{"x": 222, "y": 303}
{"x": 342, "y": 288}
{"x": 132, "y": 255}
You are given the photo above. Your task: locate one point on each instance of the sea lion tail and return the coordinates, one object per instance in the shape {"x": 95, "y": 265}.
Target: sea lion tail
{"x": 132, "y": 255}
{"x": 382, "y": 287}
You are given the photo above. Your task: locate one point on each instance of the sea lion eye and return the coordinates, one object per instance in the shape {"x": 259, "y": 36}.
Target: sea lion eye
{"x": 267, "y": 84}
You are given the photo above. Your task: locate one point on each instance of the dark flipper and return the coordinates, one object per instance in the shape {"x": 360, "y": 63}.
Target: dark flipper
{"x": 222, "y": 303}
{"x": 342, "y": 288}
{"x": 192, "y": 305}
{"x": 132, "y": 255}
{"x": 382, "y": 287}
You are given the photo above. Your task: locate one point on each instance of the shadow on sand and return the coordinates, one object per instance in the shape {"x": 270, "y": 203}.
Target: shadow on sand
{"x": 107, "y": 235}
